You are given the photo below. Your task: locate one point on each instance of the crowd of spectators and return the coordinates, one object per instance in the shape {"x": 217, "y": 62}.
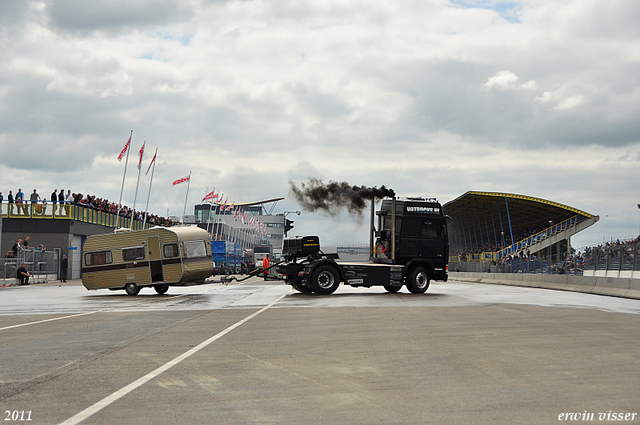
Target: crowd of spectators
{"x": 18, "y": 204}
{"x": 104, "y": 205}
{"x": 617, "y": 250}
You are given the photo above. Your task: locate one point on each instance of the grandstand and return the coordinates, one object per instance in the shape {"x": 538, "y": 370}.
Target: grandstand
{"x": 489, "y": 226}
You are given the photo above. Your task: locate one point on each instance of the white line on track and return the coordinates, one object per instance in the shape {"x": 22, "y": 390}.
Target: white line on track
{"x": 48, "y": 320}
{"x": 89, "y": 411}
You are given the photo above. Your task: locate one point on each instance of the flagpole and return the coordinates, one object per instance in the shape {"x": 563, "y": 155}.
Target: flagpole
{"x": 135, "y": 197}
{"x": 146, "y": 207}
{"x": 184, "y": 211}
{"x": 219, "y": 212}
{"x": 123, "y": 176}
{"x": 210, "y": 209}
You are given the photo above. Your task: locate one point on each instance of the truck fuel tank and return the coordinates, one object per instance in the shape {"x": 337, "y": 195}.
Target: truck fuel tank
{"x": 301, "y": 246}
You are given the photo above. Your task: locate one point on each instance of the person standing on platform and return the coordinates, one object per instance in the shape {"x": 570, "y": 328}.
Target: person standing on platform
{"x": 61, "y": 201}
{"x": 10, "y": 199}
{"x": 54, "y": 199}
{"x": 20, "y": 202}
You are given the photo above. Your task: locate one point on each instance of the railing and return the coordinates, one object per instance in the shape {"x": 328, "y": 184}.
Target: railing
{"x": 66, "y": 211}
{"x": 540, "y": 236}
{"x": 41, "y": 265}
{"x": 533, "y": 264}
{"x": 613, "y": 257}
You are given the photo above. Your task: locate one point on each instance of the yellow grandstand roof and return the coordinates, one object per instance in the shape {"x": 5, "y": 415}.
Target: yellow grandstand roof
{"x": 525, "y": 213}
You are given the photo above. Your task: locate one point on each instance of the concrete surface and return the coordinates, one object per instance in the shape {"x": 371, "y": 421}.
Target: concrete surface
{"x": 258, "y": 353}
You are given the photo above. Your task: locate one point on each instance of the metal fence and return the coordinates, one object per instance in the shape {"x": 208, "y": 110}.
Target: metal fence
{"x": 42, "y": 266}
{"x": 613, "y": 257}
{"x": 544, "y": 265}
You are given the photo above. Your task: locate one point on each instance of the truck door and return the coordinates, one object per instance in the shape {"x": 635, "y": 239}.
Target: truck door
{"x": 155, "y": 259}
{"x": 433, "y": 241}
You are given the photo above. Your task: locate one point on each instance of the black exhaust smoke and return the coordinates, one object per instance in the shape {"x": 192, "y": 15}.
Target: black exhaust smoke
{"x": 333, "y": 196}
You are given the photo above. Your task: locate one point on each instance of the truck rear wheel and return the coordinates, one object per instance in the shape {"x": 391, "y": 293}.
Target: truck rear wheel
{"x": 392, "y": 289}
{"x": 418, "y": 281}
{"x": 132, "y": 288}
{"x": 325, "y": 280}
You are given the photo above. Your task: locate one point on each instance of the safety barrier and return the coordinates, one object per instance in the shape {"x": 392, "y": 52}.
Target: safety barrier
{"x": 617, "y": 287}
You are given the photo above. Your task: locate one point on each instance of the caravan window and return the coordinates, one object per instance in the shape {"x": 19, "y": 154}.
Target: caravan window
{"x": 195, "y": 249}
{"x": 98, "y": 258}
{"x": 132, "y": 254}
{"x": 170, "y": 250}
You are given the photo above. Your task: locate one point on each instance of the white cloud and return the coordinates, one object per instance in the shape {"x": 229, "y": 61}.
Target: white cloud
{"x": 507, "y": 80}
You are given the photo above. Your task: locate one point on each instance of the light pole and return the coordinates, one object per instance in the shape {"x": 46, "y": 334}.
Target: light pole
{"x": 287, "y": 224}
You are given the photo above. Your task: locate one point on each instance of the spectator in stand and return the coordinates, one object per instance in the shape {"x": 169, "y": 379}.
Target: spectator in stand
{"x": 25, "y": 244}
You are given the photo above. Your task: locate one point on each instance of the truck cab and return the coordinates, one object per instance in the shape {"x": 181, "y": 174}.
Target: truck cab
{"x": 413, "y": 232}
{"x": 411, "y": 249}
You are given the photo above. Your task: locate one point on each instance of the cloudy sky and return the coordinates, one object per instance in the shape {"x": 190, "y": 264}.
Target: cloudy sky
{"x": 428, "y": 97}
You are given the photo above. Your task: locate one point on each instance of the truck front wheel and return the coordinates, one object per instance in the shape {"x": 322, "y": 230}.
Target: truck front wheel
{"x": 418, "y": 281}
{"x": 325, "y": 280}
{"x": 303, "y": 289}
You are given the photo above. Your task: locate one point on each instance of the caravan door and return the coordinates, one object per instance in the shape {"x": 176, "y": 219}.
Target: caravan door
{"x": 155, "y": 259}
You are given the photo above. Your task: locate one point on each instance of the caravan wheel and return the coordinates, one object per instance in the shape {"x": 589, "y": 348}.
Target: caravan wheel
{"x": 132, "y": 288}
{"x": 161, "y": 289}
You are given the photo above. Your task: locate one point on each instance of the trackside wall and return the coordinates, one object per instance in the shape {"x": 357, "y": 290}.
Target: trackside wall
{"x": 617, "y": 287}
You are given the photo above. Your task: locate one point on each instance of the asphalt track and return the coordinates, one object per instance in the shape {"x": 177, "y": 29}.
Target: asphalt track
{"x": 259, "y": 353}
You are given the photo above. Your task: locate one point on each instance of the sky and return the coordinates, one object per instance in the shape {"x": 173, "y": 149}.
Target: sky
{"x": 427, "y": 97}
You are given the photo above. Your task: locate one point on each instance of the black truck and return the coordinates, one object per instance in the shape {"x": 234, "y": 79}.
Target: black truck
{"x": 411, "y": 248}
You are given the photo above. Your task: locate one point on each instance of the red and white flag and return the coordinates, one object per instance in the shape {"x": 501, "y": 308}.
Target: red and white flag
{"x": 151, "y": 163}
{"x": 182, "y": 180}
{"x": 126, "y": 148}
{"x": 141, "y": 154}
{"x": 209, "y": 196}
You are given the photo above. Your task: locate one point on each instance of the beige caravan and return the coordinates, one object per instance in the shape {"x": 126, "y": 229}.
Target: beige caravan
{"x": 158, "y": 257}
